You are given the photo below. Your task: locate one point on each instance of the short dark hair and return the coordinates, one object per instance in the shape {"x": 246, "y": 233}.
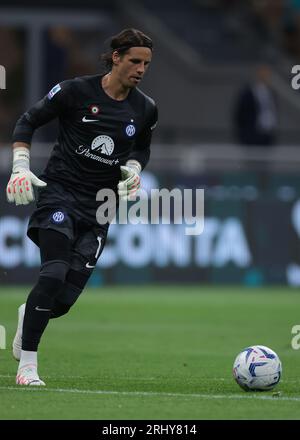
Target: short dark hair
{"x": 123, "y": 41}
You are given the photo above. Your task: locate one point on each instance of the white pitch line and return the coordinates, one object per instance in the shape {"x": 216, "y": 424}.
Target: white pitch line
{"x": 152, "y": 394}
{"x": 7, "y": 376}
{"x": 135, "y": 378}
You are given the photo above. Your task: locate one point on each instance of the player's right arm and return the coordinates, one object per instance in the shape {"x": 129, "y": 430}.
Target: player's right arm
{"x": 20, "y": 186}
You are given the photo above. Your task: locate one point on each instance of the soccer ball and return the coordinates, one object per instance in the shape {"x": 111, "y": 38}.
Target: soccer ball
{"x": 257, "y": 368}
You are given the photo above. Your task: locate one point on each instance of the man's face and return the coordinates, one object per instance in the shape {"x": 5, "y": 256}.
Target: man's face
{"x": 131, "y": 67}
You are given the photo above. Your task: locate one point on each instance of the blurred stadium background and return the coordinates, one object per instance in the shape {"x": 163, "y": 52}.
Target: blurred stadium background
{"x": 205, "y": 53}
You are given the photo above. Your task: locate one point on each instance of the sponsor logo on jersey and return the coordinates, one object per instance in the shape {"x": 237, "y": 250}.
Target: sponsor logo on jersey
{"x": 85, "y": 151}
{"x": 58, "y": 217}
{"x": 130, "y": 130}
{"x": 53, "y": 91}
{"x": 94, "y": 109}
{"x": 103, "y": 144}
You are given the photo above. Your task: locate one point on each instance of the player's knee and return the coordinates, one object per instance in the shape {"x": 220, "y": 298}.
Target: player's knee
{"x": 68, "y": 293}
{"x": 52, "y": 277}
{"x": 56, "y": 269}
{"x": 64, "y": 301}
{"x": 73, "y": 286}
{"x": 77, "y": 279}
{"x": 48, "y": 286}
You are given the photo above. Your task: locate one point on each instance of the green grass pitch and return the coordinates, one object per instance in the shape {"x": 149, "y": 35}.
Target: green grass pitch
{"x": 155, "y": 352}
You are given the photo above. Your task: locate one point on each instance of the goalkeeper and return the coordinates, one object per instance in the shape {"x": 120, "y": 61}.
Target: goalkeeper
{"x": 105, "y": 129}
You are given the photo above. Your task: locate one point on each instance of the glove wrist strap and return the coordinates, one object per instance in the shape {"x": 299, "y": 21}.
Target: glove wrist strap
{"x": 21, "y": 158}
{"x": 135, "y": 165}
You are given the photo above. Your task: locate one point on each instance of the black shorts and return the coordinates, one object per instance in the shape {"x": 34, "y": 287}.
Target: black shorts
{"x": 57, "y": 213}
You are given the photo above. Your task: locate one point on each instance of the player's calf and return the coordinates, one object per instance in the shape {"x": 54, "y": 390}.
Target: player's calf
{"x": 17, "y": 342}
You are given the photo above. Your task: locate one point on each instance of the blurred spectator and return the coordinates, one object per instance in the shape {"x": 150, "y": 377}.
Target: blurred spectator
{"x": 256, "y": 111}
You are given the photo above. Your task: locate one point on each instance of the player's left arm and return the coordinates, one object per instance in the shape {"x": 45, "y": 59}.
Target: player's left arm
{"x": 138, "y": 158}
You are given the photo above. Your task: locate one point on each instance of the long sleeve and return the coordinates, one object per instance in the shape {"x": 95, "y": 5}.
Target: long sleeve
{"x": 54, "y": 104}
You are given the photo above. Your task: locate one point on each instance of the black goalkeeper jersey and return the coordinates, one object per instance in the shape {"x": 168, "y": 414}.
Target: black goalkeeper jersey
{"x": 97, "y": 134}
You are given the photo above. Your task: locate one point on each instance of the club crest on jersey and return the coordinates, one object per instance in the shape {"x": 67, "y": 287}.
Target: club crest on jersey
{"x": 94, "y": 109}
{"x": 130, "y": 130}
{"x": 53, "y": 91}
{"x": 58, "y": 217}
{"x": 103, "y": 144}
